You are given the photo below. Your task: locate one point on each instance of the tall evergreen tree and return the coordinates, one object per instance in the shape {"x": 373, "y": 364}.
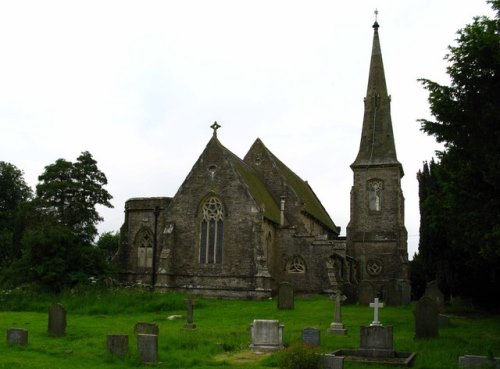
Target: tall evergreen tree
{"x": 461, "y": 206}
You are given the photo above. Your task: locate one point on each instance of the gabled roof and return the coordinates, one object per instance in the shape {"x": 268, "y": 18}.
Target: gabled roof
{"x": 312, "y": 204}
{"x": 251, "y": 180}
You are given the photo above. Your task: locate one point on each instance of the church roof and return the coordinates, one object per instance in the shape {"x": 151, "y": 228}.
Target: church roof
{"x": 311, "y": 203}
{"x": 255, "y": 186}
{"x": 377, "y": 146}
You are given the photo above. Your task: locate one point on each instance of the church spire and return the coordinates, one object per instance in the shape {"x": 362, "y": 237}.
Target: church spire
{"x": 377, "y": 141}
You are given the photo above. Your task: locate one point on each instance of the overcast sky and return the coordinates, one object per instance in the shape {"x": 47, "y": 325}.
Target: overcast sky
{"x": 138, "y": 84}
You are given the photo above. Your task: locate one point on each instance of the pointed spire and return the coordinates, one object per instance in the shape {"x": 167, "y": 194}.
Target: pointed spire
{"x": 377, "y": 142}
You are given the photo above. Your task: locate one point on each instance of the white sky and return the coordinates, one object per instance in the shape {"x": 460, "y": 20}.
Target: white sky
{"x": 138, "y": 83}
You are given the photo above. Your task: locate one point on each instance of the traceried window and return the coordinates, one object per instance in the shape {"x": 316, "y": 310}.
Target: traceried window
{"x": 375, "y": 194}
{"x": 211, "y": 232}
{"x": 145, "y": 248}
{"x": 296, "y": 265}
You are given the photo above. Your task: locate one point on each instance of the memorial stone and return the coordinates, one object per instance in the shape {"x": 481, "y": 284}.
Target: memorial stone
{"x": 426, "y": 318}
{"x": 17, "y": 336}
{"x": 146, "y": 328}
{"x": 190, "y": 309}
{"x": 285, "y": 296}
{"x": 57, "y": 320}
{"x": 333, "y": 362}
{"x": 147, "y": 347}
{"x": 311, "y": 337}
{"x": 337, "y": 327}
{"x": 266, "y": 335}
{"x": 478, "y": 362}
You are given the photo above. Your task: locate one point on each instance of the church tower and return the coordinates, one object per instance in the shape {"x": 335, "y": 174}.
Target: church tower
{"x": 376, "y": 234}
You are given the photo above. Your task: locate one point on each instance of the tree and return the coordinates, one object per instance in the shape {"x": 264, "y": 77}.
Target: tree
{"x": 69, "y": 192}
{"x": 461, "y": 205}
{"x": 109, "y": 242}
{"x": 14, "y": 194}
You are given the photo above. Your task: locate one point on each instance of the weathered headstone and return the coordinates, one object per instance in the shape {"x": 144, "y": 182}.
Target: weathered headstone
{"x": 337, "y": 327}
{"x": 405, "y": 292}
{"x": 311, "y": 337}
{"x": 366, "y": 292}
{"x": 285, "y": 296}
{"x": 266, "y": 335}
{"x": 432, "y": 290}
{"x": 376, "y": 341}
{"x": 146, "y": 328}
{"x": 376, "y": 305}
{"x": 117, "y": 344}
{"x": 190, "y": 309}
{"x": 443, "y": 320}
{"x": 478, "y": 362}
{"x": 57, "y": 320}
{"x": 393, "y": 293}
{"x": 426, "y": 318}
{"x": 333, "y": 362}
{"x": 17, "y": 336}
{"x": 147, "y": 347}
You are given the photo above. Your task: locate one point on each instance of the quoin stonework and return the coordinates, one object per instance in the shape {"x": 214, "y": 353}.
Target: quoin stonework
{"x": 238, "y": 227}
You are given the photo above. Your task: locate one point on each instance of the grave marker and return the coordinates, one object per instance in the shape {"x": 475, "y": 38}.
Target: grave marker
{"x": 146, "y": 328}
{"x": 266, "y": 335}
{"x": 337, "y": 327}
{"x": 147, "y": 347}
{"x": 190, "y": 308}
{"x": 285, "y": 296}
{"x": 426, "y": 318}
{"x": 311, "y": 337}
{"x": 17, "y": 336}
{"x": 376, "y": 305}
{"x": 57, "y": 320}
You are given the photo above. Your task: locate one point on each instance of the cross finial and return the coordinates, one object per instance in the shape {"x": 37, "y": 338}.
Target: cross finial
{"x": 215, "y": 127}
{"x": 375, "y": 25}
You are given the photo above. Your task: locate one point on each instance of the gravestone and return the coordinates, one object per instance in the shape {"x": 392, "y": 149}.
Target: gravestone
{"x": 478, "y": 362}
{"x": 366, "y": 292}
{"x": 57, "y": 320}
{"x": 147, "y": 347}
{"x": 426, "y": 318}
{"x": 117, "y": 344}
{"x": 376, "y": 341}
{"x": 146, "y": 328}
{"x": 17, "y": 336}
{"x": 333, "y": 362}
{"x": 190, "y": 310}
{"x": 432, "y": 290}
{"x": 266, "y": 335}
{"x": 337, "y": 327}
{"x": 443, "y": 320}
{"x": 285, "y": 296}
{"x": 311, "y": 337}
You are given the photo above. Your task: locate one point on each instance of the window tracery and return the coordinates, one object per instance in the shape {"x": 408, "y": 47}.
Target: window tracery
{"x": 375, "y": 194}
{"x": 296, "y": 265}
{"x": 211, "y": 232}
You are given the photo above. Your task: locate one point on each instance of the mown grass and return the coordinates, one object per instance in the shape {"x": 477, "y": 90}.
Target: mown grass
{"x": 222, "y": 335}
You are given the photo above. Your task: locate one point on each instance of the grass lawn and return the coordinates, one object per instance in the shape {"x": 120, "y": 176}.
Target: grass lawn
{"x": 222, "y": 336}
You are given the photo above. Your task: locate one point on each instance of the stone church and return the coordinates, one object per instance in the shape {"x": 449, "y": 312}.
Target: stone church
{"x": 240, "y": 227}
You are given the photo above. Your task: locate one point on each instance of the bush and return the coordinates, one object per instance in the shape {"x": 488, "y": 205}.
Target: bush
{"x": 299, "y": 356}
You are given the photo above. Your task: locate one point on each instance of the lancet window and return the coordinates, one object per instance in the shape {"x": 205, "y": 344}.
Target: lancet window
{"x": 375, "y": 194}
{"x": 145, "y": 248}
{"x": 211, "y": 231}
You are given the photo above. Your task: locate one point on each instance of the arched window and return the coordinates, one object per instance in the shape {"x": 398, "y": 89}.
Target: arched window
{"x": 212, "y": 230}
{"x": 375, "y": 194}
{"x": 144, "y": 241}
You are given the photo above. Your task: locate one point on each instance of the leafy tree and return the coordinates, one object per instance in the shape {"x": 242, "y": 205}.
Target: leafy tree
{"x": 109, "y": 242}
{"x": 69, "y": 192}
{"x": 14, "y": 194}
{"x": 460, "y": 206}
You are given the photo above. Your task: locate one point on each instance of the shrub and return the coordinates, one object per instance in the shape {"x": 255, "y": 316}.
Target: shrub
{"x": 299, "y": 356}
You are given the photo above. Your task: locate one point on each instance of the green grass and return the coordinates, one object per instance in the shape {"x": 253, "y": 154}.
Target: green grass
{"x": 222, "y": 336}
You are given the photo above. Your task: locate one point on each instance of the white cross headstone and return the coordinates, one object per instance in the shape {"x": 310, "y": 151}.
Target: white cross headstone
{"x": 376, "y": 305}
